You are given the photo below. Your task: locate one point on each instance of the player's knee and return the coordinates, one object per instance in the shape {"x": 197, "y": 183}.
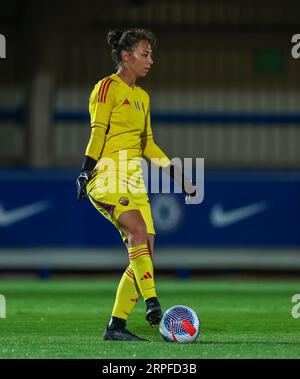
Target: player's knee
{"x": 138, "y": 234}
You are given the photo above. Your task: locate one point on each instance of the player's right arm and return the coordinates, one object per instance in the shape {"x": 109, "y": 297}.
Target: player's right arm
{"x": 100, "y": 107}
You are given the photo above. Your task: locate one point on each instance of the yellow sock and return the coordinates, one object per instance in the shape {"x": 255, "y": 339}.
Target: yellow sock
{"x": 127, "y": 295}
{"x": 141, "y": 264}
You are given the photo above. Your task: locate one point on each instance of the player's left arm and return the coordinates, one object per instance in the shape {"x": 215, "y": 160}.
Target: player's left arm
{"x": 150, "y": 149}
{"x": 153, "y": 152}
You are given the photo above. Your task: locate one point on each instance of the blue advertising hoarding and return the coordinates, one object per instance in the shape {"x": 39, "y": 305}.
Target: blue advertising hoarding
{"x": 38, "y": 208}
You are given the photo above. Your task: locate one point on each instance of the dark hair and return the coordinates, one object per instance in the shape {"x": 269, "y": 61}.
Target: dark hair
{"x": 127, "y": 40}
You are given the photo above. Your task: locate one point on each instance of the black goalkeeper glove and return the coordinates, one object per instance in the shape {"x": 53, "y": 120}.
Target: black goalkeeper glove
{"x": 81, "y": 183}
{"x": 87, "y": 166}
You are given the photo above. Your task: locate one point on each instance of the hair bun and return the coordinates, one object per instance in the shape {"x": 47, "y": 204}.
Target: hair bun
{"x": 114, "y": 37}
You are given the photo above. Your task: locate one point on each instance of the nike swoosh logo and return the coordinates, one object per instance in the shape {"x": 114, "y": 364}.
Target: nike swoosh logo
{"x": 13, "y": 216}
{"x": 220, "y": 218}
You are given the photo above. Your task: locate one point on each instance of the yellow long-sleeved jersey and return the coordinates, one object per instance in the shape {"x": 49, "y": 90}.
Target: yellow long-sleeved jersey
{"x": 120, "y": 120}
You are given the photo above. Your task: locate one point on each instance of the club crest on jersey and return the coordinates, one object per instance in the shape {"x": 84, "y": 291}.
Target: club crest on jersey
{"x": 124, "y": 201}
{"x": 137, "y": 105}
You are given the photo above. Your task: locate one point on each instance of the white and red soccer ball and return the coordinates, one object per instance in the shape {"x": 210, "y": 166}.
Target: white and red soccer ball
{"x": 180, "y": 324}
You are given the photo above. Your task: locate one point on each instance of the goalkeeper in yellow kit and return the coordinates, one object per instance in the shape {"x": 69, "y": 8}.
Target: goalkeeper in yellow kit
{"x": 111, "y": 173}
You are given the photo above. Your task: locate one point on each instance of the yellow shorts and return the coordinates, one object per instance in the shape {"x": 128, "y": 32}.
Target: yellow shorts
{"x": 111, "y": 204}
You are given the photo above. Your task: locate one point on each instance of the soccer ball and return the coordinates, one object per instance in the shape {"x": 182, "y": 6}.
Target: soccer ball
{"x": 180, "y": 324}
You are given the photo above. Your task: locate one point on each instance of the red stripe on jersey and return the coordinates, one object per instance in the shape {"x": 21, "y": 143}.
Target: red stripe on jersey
{"x": 101, "y": 88}
{"x": 105, "y": 90}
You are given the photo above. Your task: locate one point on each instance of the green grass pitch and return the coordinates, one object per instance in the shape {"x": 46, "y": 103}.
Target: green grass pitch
{"x": 66, "y": 319}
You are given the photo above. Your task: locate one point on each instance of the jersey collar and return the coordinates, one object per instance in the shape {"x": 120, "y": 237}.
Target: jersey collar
{"x": 119, "y": 80}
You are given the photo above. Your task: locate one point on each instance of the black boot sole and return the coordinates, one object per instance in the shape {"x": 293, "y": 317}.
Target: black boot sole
{"x": 121, "y": 335}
